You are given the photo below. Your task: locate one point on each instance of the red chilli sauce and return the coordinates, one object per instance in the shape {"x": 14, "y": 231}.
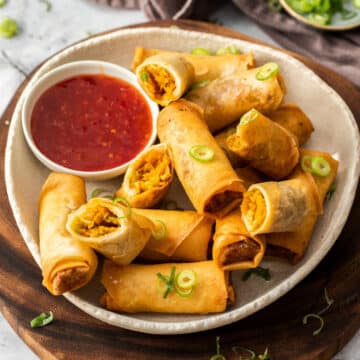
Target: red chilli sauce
{"x": 91, "y": 122}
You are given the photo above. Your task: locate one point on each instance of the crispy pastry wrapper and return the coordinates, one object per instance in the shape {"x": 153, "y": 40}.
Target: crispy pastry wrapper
{"x": 225, "y": 100}
{"x": 66, "y": 263}
{"x": 292, "y": 245}
{"x": 205, "y": 67}
{"x": 104, "y": 225}
{"x": 165, "y": 77}
{"x": 213, "y": 187}
{"x": 148, "y": 178}
{"x": 266, "y": 146}
{"x": 187, "y": 236}
{"x": 137, "y": 288}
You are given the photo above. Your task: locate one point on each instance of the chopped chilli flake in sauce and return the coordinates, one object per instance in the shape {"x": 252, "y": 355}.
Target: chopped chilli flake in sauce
{"x": 91, "y": 122}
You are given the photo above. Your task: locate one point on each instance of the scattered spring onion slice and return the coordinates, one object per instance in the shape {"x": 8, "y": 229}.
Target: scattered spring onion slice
{"x": 265, "y": 355}
{"x": 3, "y": 3}
{"x": 231, "y": 49}
{"x": 249, "y": 116}
{"x": 200, "y": 84}
{"x": 239, "y": 349}
{"x": 159, "y": 233}
{"x": 316, "y": 316}
{"x": 306, "y": 163}
{"x": 97, "y": 192}
{"x": 259, "y": 271}
{"x": 8, "y": 28}
{"x": 329, "y": 302}
{"x": 201, "y": 51}
{"x": 144, "y": 76}
{"x": 320, "y": 166}
{"x": 330, "y": 192}
{"x": 275, "y": 5}
{"x": 267, "y": 71}
{"x": 42, "y": 320}
{"x": 356, "y": 3}
{"x": 218, "y": 355}
{"x": 186, "y": 279}
{"x": 122, "y": 201}
{"x": 168, "y": 282}
{"x": 183, "y": 292}
{"x": 202, "y": 153}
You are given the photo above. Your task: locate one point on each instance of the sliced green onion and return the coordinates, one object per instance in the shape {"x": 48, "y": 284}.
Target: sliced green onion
{"x": 218, "y": 355}
{"x": 239, "y": 349}
{"x": 98, "y": 191}
{"x": 168, "y": 282}
{"x": 200, "y": 84}
{"x": 321, "y": 19}
{"x": 306, "y": 163}
{"x": 183, "y": 292}
{"x": 259, "y": 271}
{"x": 144, "y": 76}
{"x": 42, "y": 320}
{"x": 159, "y": 233}
{"x": 267, "y": 71}
{"x": 186, "y": 279}
{"x": 202, "y": 153}
{"x": 329, "y": 302}
{"x": 122, "y": 201}
{"x": 228, "y": 50}
{"x": 8, "y": 28}
{"x": 320, "y": 166}
{"x": 249, "y": 116}
{"x": 330, "y": 192}
{"x": 201, "y": 51}
{"x": 275, "y": 5}
{"x": 3, "y": 3}
{"x": 47, "y": 4}
{"x": 356, "y": 3}
{"x": 265, "y": 355}
{"x": 316, "y": 316}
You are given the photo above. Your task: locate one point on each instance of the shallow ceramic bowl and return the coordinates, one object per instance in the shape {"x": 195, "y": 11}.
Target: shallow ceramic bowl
{"x": 335, "y": 132}
{"x": 66, "y": 71}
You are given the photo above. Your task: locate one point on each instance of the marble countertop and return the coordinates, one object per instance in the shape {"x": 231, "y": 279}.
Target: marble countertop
{"x": 42, "y": 33}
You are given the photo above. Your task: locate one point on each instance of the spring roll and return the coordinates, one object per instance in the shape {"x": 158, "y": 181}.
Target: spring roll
{"x": 137, "y": 288}
{"x": 205, "y": 67}
{"x": 212, "y": 186}
{"x": 66, "y": 263}
{"x": 186, "y": 236}
{"x": 266, "y": 146}
{"x": 292, "y": 245}
{"x": 225, "y": 100}
{"x": 114, "y": 231}
{"x": 148, "y": 178}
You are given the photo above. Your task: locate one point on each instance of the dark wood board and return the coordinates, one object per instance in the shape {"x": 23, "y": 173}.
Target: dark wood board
{"x": 75, "y": 335}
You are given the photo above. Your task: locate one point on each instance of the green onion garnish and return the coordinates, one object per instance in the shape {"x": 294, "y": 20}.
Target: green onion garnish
{"x": 200, "y": 84}
{"x": 328, "y": 300}
{"x": 186, "y": 279}
{"x": 122, "y": 201}
{"x": 201, "y": 51}
{"x": 267, "y": 71}
{"x": 3, "y": 3}
{"x": 47, "y": 3}
{"x": 228, "y": 50}
{"x": 265, "y": 355}
{"x": 218, "y": 355}
{"x": 42, "y": 320}
{"x": 356, "y": 3}
{"x": 239, "y": 349}
{"x": 169, "y": 283}
{"x": 8, "y": 28}
{"x": 330, "y": 192}
{"x": 275, "y": 5}
{"x": 159, "y": 231}
{"x": 317, "y": 165}
{"x": 316, "y": 316}
{"x": 249, "y": 116}
{"x": 202, "y": 153}
{"x": 259, "y": 271}
{"x": 306, "y": 163}
{"x": 144, "y": 76}
{"x": 98, "y": 191}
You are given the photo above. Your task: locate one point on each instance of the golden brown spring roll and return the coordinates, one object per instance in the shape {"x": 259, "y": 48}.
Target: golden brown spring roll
{"x": 186, "y": 236}
{"x": 137, "y": 288}
{"x": 292, "y": 245}
{"x": 225, "y": 100}
{"x": 249, "y": 175}
{"x": 213, "y": 186}
{"x": 205, "y": 67}
{"x": 276, "y": 206}
{"x": 114, "y": 231}
{"x": 267, "y": 146}
{"x": 66, "y": 263}
{"x": 293, "y": 119}
{"x": 148, "y": 178}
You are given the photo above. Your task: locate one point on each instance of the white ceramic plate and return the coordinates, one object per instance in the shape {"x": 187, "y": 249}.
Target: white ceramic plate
{"x": 335, "y": 131}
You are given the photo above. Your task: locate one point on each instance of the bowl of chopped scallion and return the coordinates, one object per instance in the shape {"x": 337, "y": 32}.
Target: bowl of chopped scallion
{"x": 325, "y": 14}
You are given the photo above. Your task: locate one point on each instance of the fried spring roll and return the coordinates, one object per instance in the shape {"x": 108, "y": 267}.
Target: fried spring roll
{"x": 205, "y": 67}
{"x": 186, "y": 236}
{"x": 292, "y": 245}
{"x": 212, "y": 186}
{"x": 148, "y": 178}
{"x": 137, "y": 288}
{"x": 66, "y": 263}
{"x": 266, "y": 146}
{"x": 107, "y": 227}
{"x": 225, "y": 100}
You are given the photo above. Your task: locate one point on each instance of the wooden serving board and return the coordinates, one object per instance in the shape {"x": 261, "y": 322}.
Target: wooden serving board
{"x": 75, "y": 335}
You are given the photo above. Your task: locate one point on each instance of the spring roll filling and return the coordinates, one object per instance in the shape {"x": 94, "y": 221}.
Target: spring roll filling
{"x": 96, "y": 221}
{"x": 68, "y": 279}
{"x": 254, "y": 207}
{"x": 159, "y": 82}
{"x": 153, "y": 173}
{"x": 222, "y": 201}
{"x": 243, "y": 250}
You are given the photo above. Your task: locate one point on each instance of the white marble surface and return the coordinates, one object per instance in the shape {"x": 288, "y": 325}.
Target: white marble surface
{"x": 43, "y": 33}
